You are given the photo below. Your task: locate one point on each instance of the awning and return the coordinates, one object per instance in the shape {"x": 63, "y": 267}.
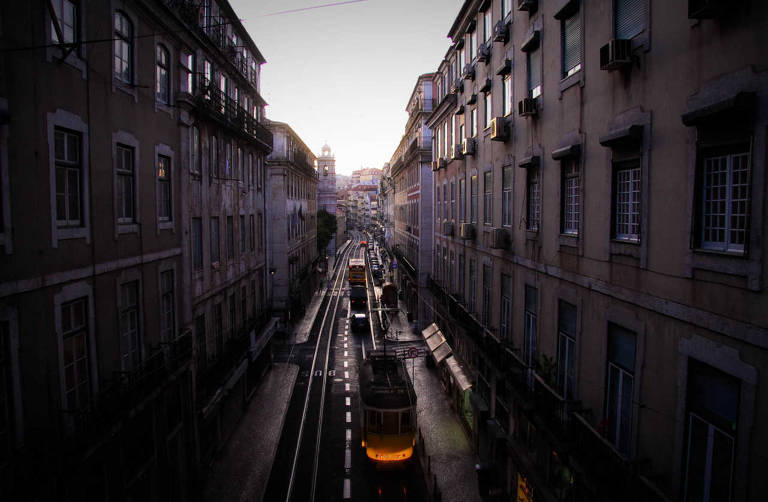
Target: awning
{"x": 442, "y": 352}
{"x": 434, "y": 341}
{"x": 740, "y": 102}
{"x": 629, "y": 134}
{"x": 458, "y": 374}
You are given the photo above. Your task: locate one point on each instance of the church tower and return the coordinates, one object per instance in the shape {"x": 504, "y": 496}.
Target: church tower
{"x": 326, "y": 187}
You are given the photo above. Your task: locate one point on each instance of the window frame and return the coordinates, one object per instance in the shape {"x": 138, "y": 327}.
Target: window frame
{"x": 570, "y": 197}
{"x": 507, "y": 194}
{"x": 162, "y": 67}
{"x": 488, "y": 198}
{"x": 130, "y": 223}
{"x": 533, "y": 204}
{"x": 617, "y": 167}
{"x": 124, "y": 40}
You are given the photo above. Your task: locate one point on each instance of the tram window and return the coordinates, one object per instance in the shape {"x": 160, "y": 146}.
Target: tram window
{"x": 405, "y": 421}
{"x": 390, "y": 422}
{"x": 373, "y": 421}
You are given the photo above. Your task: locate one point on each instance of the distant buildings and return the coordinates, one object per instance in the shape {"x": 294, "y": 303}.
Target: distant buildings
{"x": 599, "y": 239}
{"x": 135, "y": 290}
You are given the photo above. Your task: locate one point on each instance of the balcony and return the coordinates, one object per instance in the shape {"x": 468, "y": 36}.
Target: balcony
{"x": 230, "y": 114}
{"x": 124, "y": 393}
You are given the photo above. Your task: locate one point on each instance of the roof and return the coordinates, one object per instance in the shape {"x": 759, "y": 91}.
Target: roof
{"x": 384, "y": 382}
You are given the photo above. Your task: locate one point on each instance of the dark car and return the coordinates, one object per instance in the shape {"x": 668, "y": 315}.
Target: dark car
{"x": 359, "y": 323}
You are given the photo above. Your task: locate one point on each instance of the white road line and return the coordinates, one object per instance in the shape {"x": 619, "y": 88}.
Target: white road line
{"x": 345, "y": 353}
{"x": 348, "y": 401}
{"x": 349, "y": 417}
{"x": 347, "y": 459}
{"x": 346, "y": 375}
{"x": 345, "y": 364}
{"x": 346, "y": 489}
{"x": 346, "y": 387}
{"x": 345, "y": 346}
{"x": 349, "y": 434}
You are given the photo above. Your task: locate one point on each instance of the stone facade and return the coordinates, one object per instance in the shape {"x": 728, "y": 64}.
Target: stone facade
{"x": 600, "y": 245}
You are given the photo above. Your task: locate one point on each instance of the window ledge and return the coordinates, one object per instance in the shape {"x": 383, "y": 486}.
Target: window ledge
{"x": 64, "y": 233}
{"x": 569, "y": 240}
{"x": 129, "y": 89}
{"x": 625, "y": 248}
{"x": 165, "y": 225}
{"x": 729, "y": 264}
{"x": 73, "y": 59}
{"x": 163, "y": 107}
{"x": 127, "y": 228}
{"x": 532, "y": 235}
{"x": 571, "y": 80}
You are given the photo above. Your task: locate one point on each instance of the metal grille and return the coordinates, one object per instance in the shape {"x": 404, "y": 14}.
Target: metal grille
{"x": 571, "y": 199}
{"x": 725, "y": 202}
{"x": 506, "y": 197}
{"x": 629, "y": 18}
{"x": 534, "y": 202}
{"x": 628, "y": 203}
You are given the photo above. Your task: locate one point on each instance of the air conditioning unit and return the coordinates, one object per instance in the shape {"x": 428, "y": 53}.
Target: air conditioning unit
{"x": 447, "y": 228}
{"x": 442, "y": 163}
{"x": 468, "y": 146}
{"x": 501, "y": 32}
{"x": 707, "y": 9}
{"x": 456, "y": 152}
{"x": 499, "y": 238}
{"x": 526, "y": 107}
{"x": 529, "y": 5}
{"x": 484, "y": 52}
{"x": 467, "y": 231}
{"x": 617, "y": 53}
{"x": 457, "y": 88}
{"x": 498, "y": 129}
{"x": 469, "y": 72}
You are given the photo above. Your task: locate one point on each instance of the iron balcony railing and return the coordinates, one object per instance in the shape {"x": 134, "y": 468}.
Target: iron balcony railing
{"x": 227, "y": 111}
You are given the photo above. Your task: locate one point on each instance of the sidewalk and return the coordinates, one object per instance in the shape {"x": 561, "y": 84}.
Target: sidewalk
{"x": 447, "y": 457}
{"x": 242, "y": 470}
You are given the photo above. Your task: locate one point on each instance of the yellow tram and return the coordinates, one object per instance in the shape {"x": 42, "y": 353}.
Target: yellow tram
{"x": 387, "y": 409}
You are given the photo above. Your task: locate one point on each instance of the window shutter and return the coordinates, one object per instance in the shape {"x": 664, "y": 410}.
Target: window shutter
{"x": 630, "y": 18}
{"x": 534, "y": 69}
{"x": 571, "y": 42}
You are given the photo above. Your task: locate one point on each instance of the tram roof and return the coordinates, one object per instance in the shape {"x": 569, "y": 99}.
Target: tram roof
{"x": 384, "y": 382}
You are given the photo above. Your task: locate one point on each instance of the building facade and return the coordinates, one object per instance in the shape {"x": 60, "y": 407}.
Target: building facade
{"x": 293, "y": 193}
{"x": 411, "y": 176}
{"x": 600, "y": 245}
{"x": 326, "y": 190}
{"x": 104, "y": 272}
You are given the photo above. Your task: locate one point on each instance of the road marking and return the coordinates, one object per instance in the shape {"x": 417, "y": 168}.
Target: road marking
{"x": 346, "y": 375}
{"x": 346, "y": 489}
{"x": 349, "y": 434}
{"x": 347, "y": 459}
{"x": 349, "y": 417}
{"x": 348, "y": 401}
{"x": 346, "y": 387}
{"x": 345, "y": 346}
{"x": 345, "y": 353}
{"x": 345, "y": 364}
{"x": 338, "y": 380}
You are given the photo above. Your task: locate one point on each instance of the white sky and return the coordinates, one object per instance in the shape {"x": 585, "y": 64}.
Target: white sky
{"x": 344, "y": 73}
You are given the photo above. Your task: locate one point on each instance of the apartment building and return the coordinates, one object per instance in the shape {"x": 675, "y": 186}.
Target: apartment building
{"x": 410, "y": 177}
{"x": 106, "y": 179}
{"x": 293, "y": 181}
{"x": 600, "y": 222}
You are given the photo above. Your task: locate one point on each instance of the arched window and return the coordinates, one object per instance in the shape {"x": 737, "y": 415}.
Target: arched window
{"x": 162, "y": 76}
{"x": 123, "y": 48}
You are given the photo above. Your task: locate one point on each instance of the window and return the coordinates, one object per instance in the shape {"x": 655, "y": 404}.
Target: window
{"x": 724, "y": 196}
{"x": 530, "y": 327}
{"x": 473, "y": 121}
{"x": 487, "y": 25}
{"x": 123, "y": 65}
{"x": 462, "y": 271}
{"x": 566, "y": 345}
{"x": 167, "y": 302}
{"x": 207, "y": 76}
{"x": 462, "y": 61}
{"x": 194, "y": 150}
{"x": 506, "y": 8}
{"x": 488, "y": 198}
{"x": 570, "y": 38}
{"x": 446, "y": 272}
{"x": 534, "y": 72}
{"x": 472, "y": 285}
{"x": 462, "y": 200}
{"x": 486, "y": 314}
{"x": 505, "y": 321}
{"x": 232, "y": 315}
{"x": 197, "y": 243}
{"x": 218, "y": 329}
{"x": 250, "y": 169}
{"x": 473, "y": 199}
{"x": 230, "y": 238}
{"x": 68, "y": 178}
{"x": 240, "y": 175}
{"x": 228, "y": 161}
{"x": 506, "y": 96}
{"x": 711, "y": 420}
{"x": 445, "y": 201}
{"x": 126, "y": 185}
{"x": 453, "y": 200}
{"x": 487, "y": 109}
{"x": 534, "y": 200}
{"x": 261, "y": 231}
{"x": 243, "y": 306}
{"x": 67, "y": 16}
{"x": 162, "y": 75}
{"x": 473, "y": 45}
{"x": 629, "y": 18}
{"x": 164, "y": 212}
{"x": 570, "y": 197}
{"x": 451, "y": 283}
{"x": 215, "y": 241}
{"x": 506, "y": 196}
{"x": 77, "y": 367}
{"x": 252, "y": 228}
{"x": 130, "y": 336}
{"x": 242, "y": 233}
{"x": 214, "y": 157}
{"x": 626, "y": 195}
{"x": 620, "y": 386}
{"x": 187, "y": 72}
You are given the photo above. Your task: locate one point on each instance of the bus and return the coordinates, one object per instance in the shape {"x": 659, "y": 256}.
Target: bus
{"x": 357, "y": 272}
